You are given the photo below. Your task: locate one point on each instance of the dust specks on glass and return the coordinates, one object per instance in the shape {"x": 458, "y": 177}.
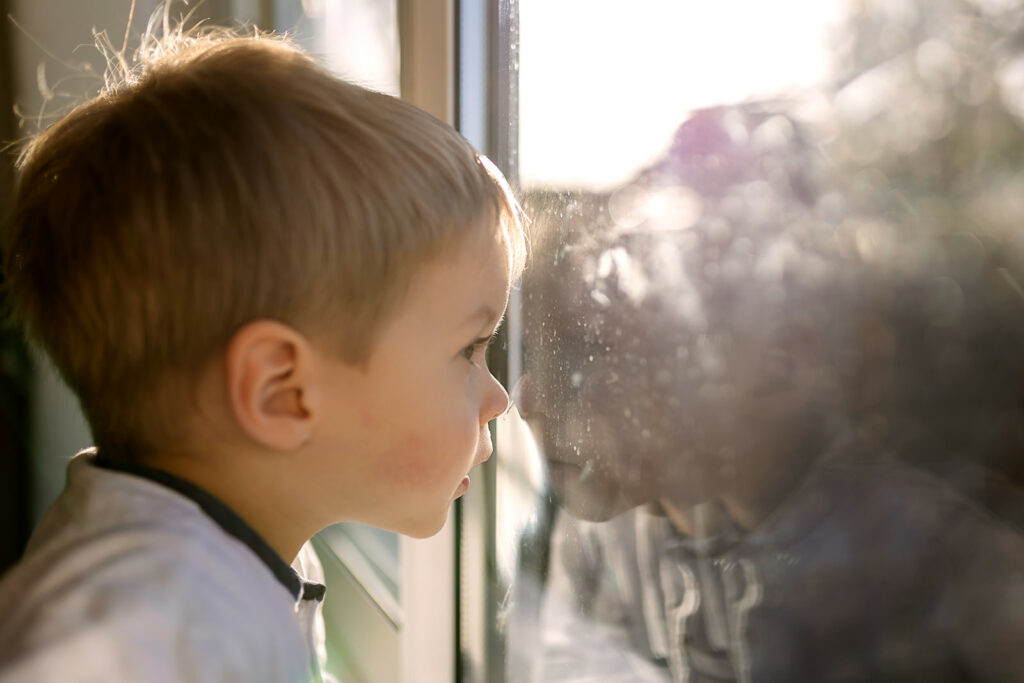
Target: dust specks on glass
{"x": 770, "y": 424}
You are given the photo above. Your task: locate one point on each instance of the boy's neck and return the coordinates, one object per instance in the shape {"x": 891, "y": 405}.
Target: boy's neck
{"x": 252, "y": 494}
{"x": 746, "y": 504}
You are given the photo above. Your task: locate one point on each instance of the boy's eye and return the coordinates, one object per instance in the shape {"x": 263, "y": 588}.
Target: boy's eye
{"x": 476, "y": 348}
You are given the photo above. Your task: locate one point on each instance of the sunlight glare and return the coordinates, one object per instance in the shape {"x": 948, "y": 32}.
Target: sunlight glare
{"x": 603, "y": 85}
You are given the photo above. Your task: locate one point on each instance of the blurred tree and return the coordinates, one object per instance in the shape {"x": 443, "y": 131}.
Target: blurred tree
{"x": 927, "y": 134}
{"x": 929, "y": 108}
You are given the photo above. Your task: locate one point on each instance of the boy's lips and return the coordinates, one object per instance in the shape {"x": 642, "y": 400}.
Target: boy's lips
{"x": 562, "y": 474}
{"x": 485, "y": 458}
{"x": 464, "y": 484}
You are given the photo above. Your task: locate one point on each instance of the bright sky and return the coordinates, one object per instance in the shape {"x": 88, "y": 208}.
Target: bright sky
{"x": 605, "y": 83}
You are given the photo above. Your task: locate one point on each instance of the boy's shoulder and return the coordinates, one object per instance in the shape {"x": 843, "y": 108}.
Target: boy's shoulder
{"x": 128, "y": 576}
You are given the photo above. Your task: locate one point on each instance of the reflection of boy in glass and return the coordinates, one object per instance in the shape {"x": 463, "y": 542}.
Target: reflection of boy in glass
{"x": 761, "y": 366}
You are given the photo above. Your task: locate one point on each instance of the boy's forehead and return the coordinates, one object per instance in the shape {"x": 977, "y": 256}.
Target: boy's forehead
{"x": 466, "y": 285}
{"x": 489, "y": 271}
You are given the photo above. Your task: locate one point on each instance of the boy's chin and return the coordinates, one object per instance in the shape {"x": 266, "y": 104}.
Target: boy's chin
{"x": 594, "y": 513}
{"x": 423, "y": 528}
{"x": 593, "y": 501}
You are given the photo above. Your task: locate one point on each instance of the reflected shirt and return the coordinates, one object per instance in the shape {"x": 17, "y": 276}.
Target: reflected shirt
{"x": 136, "y": 575}
{"x": 868, "y": 572}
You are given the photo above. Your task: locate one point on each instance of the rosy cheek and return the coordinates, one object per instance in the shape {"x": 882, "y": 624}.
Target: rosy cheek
{"x": 367, "y": 418}
{"x": 416, "y": 460}
{"x": 405, "y": 462}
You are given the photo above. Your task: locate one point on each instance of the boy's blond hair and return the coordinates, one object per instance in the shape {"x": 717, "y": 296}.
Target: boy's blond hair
{"x": 227, "y": 179}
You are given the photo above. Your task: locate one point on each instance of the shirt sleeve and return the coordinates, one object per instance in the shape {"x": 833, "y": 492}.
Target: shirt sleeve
{"x": 134, "y": 645}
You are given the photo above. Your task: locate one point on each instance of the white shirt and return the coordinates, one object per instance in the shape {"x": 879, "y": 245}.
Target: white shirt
{"x": 139, "y": 576}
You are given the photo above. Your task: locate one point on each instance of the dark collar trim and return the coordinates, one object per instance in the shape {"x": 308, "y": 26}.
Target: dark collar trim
{"x": 226, "y": 519}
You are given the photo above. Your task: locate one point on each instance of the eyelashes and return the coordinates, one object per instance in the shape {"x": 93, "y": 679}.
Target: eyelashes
{"x": 476, "y": 347}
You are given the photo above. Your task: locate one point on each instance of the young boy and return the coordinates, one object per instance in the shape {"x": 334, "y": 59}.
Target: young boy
{"x": 272, "y": 292}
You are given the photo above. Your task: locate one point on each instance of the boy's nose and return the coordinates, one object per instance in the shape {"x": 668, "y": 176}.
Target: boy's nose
{"x": 495, "y": 400}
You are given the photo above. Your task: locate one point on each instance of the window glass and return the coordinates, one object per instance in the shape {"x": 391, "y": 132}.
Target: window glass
{"x": 372, "y": 556}
{"x": 770, "y": 423}
{"x": 358, "y": 39}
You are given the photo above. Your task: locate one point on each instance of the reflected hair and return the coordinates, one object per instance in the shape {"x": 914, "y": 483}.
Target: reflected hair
{"x": 218, "y": 179}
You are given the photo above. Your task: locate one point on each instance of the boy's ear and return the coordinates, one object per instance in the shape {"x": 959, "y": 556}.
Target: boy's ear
{"x": 267, "y": 367}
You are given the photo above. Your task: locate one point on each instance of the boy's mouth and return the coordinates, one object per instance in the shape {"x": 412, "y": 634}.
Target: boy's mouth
{"x": 486, "y": 456}
{"x": 563, "y": 474}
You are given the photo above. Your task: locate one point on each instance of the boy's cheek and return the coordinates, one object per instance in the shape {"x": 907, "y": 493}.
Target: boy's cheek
{"x": 404, "y": 462}
{"x": 419, "y": 459}
{"x": 368, "y": 418}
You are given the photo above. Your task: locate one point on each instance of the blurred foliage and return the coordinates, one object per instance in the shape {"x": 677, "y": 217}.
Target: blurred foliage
{"x": 929, "y": 104}
{"x": 927, "y": 137}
